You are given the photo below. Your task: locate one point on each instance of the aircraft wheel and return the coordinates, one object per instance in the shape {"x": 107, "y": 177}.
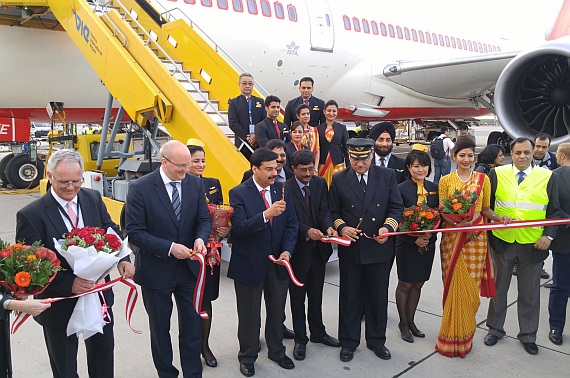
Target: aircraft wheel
{"x": 23, "y": 173}
{"x": 3, "y": 163}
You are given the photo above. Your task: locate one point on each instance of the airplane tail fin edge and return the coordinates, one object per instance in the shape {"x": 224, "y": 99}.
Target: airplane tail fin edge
{"x": 561, "y": 27}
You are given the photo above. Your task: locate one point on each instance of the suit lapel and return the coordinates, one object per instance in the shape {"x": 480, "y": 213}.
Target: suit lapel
{"x": 315, "y": 197}
{"x": 162, "y": 195}
{"x": 371, "y": 185}
{"x": 52, "y": 210}
{"x": 353, "y": 183}
{"x": 86, "y": 214}
{"x": 186, "y": 197}
{"x": 256, "y": 195}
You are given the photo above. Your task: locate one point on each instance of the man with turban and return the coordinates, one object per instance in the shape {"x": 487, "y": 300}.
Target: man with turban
{"x": 383, "y": 135}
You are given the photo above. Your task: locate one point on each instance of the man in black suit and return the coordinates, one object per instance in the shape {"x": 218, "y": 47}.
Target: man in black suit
{"x": 364, "y": 199}
{"x": 316, "y": 105}
{"x": 264, "y": 223}
{"x": 283, "y": 173}
{"x": 66, "y": 206}
{"x": 310, "y": 196}
{"x": 166, "y": 216}
{"x": 270, "y": 127}
{"x": 383, "y": 135}
{"x": 244, "y": 112}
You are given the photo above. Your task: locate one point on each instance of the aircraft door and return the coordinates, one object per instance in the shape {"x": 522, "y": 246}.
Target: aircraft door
{"x": 321, "y": 23}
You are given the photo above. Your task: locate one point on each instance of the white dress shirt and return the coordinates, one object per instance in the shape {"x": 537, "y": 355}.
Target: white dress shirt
{"x": 267, "y": 196}
{"x": 386, "y": 160}
{"x": 169, "y": 188}
{"x": 365, "y": 174}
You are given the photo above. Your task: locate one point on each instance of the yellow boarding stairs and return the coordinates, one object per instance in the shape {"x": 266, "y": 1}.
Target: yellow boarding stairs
{"x": 167, "y": 68}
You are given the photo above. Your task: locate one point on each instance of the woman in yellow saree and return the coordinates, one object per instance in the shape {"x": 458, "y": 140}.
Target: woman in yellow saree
{"x": 465, "y": 263}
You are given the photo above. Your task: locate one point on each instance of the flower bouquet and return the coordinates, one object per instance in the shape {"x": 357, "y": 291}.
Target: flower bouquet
{"x": 91, "y": 253}
{"x": 27, "y": 269}
{"x": 221, "y": 216}
{"x": 460, "y": 206}
{"x": 420, "y": 218}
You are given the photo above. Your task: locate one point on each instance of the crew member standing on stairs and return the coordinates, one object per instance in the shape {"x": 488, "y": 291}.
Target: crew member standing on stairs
{"x": 270, "y": 127}
{"x": 316, "y": 105}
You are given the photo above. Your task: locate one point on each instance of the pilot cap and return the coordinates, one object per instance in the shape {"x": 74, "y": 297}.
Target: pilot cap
{"x": 360, "y": 148}
{"x": 381, "y": 127}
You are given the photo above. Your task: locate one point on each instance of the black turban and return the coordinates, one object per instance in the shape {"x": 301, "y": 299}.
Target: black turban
{"x": 379, "y": 128}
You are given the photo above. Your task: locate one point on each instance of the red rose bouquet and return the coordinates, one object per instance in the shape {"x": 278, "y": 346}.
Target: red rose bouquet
{"x": 221, "y": 216}
{"x": 460, "y": 206}
{"x": 27, "y": 269}
{"x": 96, "y": 237}
{"x": 419, "y": 218}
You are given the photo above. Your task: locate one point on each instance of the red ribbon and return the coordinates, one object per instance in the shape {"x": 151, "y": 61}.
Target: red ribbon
{"x": 289, "y": 269}
{"x": 199, "y": 290}
{"x": 336, "y": 239}
{"x": 131, "y": 301}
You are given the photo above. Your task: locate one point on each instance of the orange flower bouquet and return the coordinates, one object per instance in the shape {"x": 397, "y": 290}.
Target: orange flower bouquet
{"x": 27, "y": 269}
{"x": 460, "y": 206}
{"x": 419, "y": 218}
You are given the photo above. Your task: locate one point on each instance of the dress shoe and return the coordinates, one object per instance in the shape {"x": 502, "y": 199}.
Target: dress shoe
{"x": 381, "y": 352}
{"x": 211, "y": 363}
{"x": 515, "y": 270}
{"x": 287, "y": 333}
{"x": 544, "y": 275}
{"x": 346, "y": 354}
{"x": 409, "y": 338}
{"x": 530, "y": 348}
{"x": 490, "y": 339}
{"x": 327, "y": 340}
{"x": 555, "y": 336}
{"x": 548, "y": 284}
{"x": 417, "y": 333}
{"x": 286, "y": 363}
{"x": 247, "y": 369}
{"x": 299, "y": 352}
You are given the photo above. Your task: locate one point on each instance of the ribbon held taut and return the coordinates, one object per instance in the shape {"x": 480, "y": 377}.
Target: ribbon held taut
{"x": 289, "y": 269}
{"x": 337, "y": 240}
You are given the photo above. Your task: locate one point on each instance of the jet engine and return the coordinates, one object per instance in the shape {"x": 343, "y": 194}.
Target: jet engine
{"x": 532, "y": 94}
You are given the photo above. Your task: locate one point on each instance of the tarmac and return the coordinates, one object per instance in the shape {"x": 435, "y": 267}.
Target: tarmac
{"x": 133, "y": 356}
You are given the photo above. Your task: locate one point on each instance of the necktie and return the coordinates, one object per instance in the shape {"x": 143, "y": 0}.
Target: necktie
{"x": 277, "y": 129}
{"x": 363, "y": 183}
{"x": 422, "y": 192}
{"x": 306, "y": 102}
{"x": 521, "y": 177}
{"x": 248, "y": 100}
{"x": 308, "y": 201}
{"x": 263, "y": 191}
{"x": 382, "y": 162}
{"x": 72, "y": 215}
{"x": 175, "y": 201}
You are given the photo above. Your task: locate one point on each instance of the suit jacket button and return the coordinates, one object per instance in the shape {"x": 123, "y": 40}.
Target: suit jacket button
{"x": 377, "y": 205}
{"x": 373, "y": 219}
{"x": 352, "y": 206}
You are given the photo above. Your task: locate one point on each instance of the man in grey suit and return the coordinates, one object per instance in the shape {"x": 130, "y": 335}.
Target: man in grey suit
{"x": 523, "y": 192}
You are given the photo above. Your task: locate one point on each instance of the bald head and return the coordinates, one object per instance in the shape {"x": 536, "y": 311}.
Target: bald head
{"x": 175, "y": 159}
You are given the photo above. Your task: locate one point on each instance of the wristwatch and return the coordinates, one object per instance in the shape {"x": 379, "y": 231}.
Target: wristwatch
{"x": 550, "y": 237}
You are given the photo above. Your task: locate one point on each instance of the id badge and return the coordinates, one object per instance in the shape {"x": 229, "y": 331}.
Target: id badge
{"x": 252, "y": 129}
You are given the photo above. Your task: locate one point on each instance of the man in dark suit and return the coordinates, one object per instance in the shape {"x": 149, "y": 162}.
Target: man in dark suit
{"x": 270, "y": 127}
{"x": 316, "y": 105}
{"x": 383, "y": 135}
{"x": 364, "y": 199}
{"x": 310, "y": 196}
{"x": 66, "y": 206}
{"x": 264, "y": 223}
{"x": 283, "y": 173}
{"x": 167, "y": 215}
{"x": 244, "y": 112}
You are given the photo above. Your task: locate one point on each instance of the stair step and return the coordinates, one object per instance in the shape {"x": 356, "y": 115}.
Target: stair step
{"x": 190, "y": 88}
{"x": 202, "y": 103}
{"x": 227, "y": 131}
{"x": 217, "y": 119}
{"x": 197, "y": 96}
{"x": 181, "y": 78}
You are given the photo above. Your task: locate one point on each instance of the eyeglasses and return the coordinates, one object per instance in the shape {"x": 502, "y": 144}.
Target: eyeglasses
{"x": 180, "y": 166}
{"x": 77, "y": 182}
{"x": 306, "y": 170}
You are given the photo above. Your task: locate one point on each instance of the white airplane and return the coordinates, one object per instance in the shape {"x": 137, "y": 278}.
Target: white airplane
{"x": 374, "y": 63}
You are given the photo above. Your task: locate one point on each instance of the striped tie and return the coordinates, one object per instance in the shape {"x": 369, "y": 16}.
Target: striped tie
{"x": 175, "y": 201}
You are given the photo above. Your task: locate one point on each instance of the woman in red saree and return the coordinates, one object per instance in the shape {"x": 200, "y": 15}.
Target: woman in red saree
{"x": 332, "y": 138}
{"x": 465, "y": 263}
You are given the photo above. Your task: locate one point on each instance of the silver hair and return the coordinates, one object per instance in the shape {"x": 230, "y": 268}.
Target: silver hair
{"x": 245, "y": 74}
{"x": 66, "y": 155}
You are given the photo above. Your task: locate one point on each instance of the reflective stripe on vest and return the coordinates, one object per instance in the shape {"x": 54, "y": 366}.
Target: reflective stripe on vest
{"x": 527, "y": 201}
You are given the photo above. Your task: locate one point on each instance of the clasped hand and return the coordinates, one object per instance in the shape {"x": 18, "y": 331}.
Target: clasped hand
{"x": 423, "y": 240}
{"x": 317, "y": 235}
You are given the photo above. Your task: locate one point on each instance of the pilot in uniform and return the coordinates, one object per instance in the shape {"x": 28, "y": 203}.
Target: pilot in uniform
{"x": 383, "y": 135}
{"x": 364, "y": 200}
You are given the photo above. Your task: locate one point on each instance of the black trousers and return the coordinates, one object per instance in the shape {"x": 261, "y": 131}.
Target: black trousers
{"x": 5, "y": 356}
{"x": 365, "y": 285}
{"x": 312, "y": 290}
{"x": 62, "y": 351}
{"x": 158, "y": 305}
{"x": 274, "y": 290}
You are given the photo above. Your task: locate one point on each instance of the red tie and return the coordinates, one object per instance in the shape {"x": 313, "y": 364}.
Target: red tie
{"x": 278, "y": 131}
{"x": 307, "y": 102}
{"x": 263, "y": 191}
{"x": 248, "y": 99}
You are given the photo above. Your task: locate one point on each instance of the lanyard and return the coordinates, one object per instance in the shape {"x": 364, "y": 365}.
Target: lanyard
{"x": 250, "y": 117}
{"x": 64, "y": 212}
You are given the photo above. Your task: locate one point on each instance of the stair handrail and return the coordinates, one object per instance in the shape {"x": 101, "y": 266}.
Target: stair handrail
{"x": 176, "y": 69}
{"x": 217, "y": 47}
{"x": 100, "y": 9}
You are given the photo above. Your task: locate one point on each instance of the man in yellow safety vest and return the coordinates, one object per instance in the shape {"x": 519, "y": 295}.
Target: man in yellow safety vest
{"x": 522, "y": 192}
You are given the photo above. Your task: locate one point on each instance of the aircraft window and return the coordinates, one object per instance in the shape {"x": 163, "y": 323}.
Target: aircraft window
{"x": 414, "y": 35}
{"x": 470, "y": 46}
{"x": 328, "y": 20}
{"x": 407, "y": 33}
{"x": 265, "y": 8}
{"x": 252, "y": 6}
{"x": 346, "y": 21}
{"x": 441, "y": 43}
{"x": 453, "y": 42}
{"x": 190, "y": 1}
{"x": 374, "y": 27}
{"x": 238, "y": 7}
{"x": 485, "y": 48}
{"x": 279, "y": 10}
{"x": 391, "y": 30}
{"x": 494, "y": 48}
{"x": 464, "y": 45}
{"x": 475, "y": 47}
{"x": 207, "y": 3}
{"x": 498, "y": 48}
{"x": 365, "y": 26}
{"x": 399, "y": 31}
{"x": 480, "y": 48}
{"x": 223, "y": 4}
{"x": 428, "y": 38}
{"x": 292, "y": 11}
{"x": 422, "y": 38}
{"x": 383, "y": 29}
{"x": 356, "y": 23}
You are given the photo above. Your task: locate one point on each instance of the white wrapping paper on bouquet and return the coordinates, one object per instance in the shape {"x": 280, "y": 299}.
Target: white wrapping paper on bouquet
{"x": 89, "y": 264}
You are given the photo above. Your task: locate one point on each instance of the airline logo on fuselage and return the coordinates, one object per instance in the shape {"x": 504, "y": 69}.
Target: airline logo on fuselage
{"x": 292, "y": 49}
